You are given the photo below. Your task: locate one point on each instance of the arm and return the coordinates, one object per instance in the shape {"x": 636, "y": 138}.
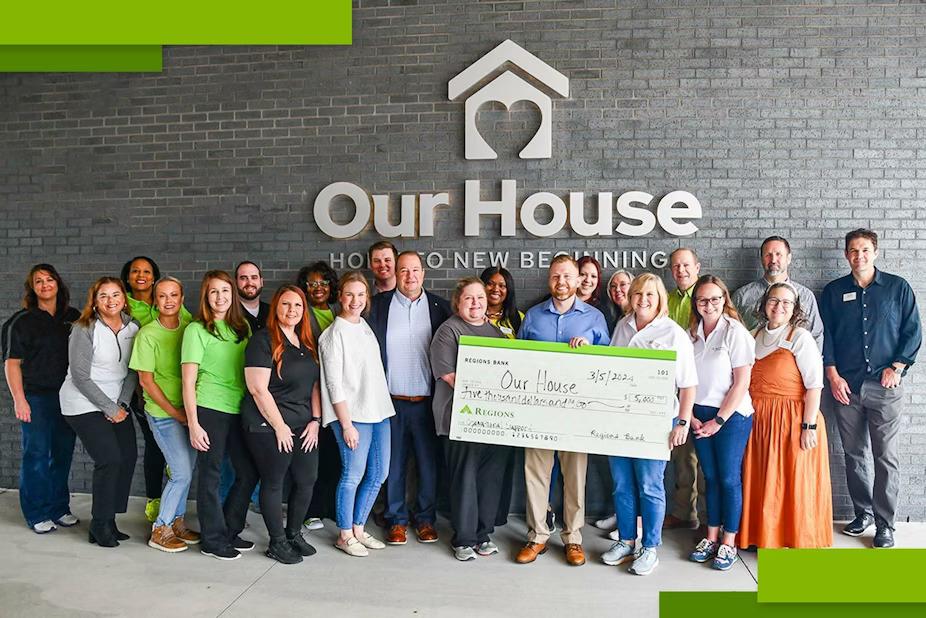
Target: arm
{"x": 741, "y": 378}
{"x": 815, "y": 322}
{"x": 310, "y": 435}
{"x": 14, "y": 379}
{"x": 679, "y": 433}
{"x": 199, "y": 439}
{"x": 80, "y": 359}
{"x": 146, "y": 378}
{"x": 257, "y": 380}
{"x": 811, "y": 407}
{"x": 332, "y": 357}
{"x": 444, "y": 348}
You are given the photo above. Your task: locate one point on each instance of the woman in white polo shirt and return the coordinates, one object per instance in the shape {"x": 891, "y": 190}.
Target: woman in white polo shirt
{"x": 638, "y": 483}
{"x": 724, "y": 355}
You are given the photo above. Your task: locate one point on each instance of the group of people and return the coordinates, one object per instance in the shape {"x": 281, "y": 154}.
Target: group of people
{"x": 328, "y": 389}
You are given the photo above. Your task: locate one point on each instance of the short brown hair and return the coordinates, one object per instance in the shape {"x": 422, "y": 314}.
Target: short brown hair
{"x": 564, "y": 257}
{"x": 383, "y": 244}
{"x": 88, "y": 315}
{"x": 862, "y": 233}
{"x": 352, "y": 276}
{"x": 462, "y": 284}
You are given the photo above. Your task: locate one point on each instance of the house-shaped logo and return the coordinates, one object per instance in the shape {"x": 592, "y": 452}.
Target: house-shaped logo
{"x": 507, "y": 89}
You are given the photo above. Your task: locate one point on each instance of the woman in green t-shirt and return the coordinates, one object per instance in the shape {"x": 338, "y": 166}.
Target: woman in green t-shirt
{"x": 212, "y": 366}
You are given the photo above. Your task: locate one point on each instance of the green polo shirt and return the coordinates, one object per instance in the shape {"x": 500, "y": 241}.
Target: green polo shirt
{"x": 144, "y": 313}
{"x": 324, "y": 317}
{"x": 680, "y": 306}
{"x": 220, "y": 379}
{"x": 157, "y": 350}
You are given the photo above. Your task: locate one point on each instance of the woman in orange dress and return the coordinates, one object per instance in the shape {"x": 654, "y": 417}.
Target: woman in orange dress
{"x": 787, "y": 497}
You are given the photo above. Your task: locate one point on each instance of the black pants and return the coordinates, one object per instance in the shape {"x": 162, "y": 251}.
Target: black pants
{"x": 273, "y": 466}
{"x": 153, "y": 458}
{"x": 329, "y": 475}
{"x": 112, "y": 448}
{"x": 475, "y": 472}
{"x": 220, "y": 524}
{"x": 504, "y": 500}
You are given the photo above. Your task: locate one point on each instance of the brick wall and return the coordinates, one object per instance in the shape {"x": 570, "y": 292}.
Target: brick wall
{"x": 802, "y": 119}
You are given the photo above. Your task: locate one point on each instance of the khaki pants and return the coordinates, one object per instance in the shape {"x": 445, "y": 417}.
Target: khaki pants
{"x": 689, "y": 482}
{"x": 538, "y": 467}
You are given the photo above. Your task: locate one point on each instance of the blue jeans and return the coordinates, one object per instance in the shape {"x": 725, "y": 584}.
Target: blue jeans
{"x": 412, "y": 427}
{"x": 638, "y": 488}
{"x": 363, "y": 471}
{"x": 174, "y": 441}
{"x": 721, "y": 459}
{"x": 47, "y": 448}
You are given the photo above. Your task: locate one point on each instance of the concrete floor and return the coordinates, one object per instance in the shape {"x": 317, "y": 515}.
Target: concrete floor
{"x": 61, "y": 574}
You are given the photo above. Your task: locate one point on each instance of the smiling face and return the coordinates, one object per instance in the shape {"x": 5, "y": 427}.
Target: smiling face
{"x": 685, "y": 269}
{"x": 645, "y": 303}
{"x": 709, "y": 302}
{"x": 496, "y": 291}
{"x": 775, "y": 258}
{"x": 249, "y": 282}
{"x": 109, "y": 300}
{"x": 169, "y": 298}
{"x": 382, "y": 263}
{"x": 219, "y": 297}
{"x": 861, "y": 256}
{"x": 588, "y": 280}
{"x": 409, "y": 275}
{"x": 353, "y": 298}
{"x": 563, "y": 280}
{"x": 779, "y": 308}
{"x": 141, "y": 276}
{"x": 318, "y": 290}
{"x": 472, "y": 304}
{"x": 290, "y": 309}
{"x": 44, "y": 286}
{"x": 617, "y": 289}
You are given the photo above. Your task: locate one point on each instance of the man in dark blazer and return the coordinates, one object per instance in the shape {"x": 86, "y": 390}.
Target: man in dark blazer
{"x": 405, "y": 320}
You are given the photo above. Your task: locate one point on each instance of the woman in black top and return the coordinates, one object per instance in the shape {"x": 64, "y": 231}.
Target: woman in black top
{"x": 284, "y": 401}
{"x": 35, "y": 351}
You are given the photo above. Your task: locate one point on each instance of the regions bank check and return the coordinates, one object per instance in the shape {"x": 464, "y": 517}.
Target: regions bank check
{"x": 593, "y": 399}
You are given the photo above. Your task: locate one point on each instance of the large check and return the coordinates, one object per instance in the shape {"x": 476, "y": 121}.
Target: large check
{"x": 593, "y": 399}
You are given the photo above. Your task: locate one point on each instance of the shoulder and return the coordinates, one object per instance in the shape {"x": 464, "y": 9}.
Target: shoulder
{"x": 802, "y": 337}
{"x": 17, "y": 320}
{"x": 837, "y": 285}
{"x": 748, "y": 288}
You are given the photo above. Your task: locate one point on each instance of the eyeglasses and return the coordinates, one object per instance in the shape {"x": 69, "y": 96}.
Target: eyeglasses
{"x": 314, "y": 285}
{"x": 713, "y": 300}
{"x": 774, "y": 302}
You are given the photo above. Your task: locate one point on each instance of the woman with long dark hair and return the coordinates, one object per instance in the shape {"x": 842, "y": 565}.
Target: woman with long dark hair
{"x": 281, "y": 413}
{"x": 212, "y": 369}
{"x": 35, "y": 351}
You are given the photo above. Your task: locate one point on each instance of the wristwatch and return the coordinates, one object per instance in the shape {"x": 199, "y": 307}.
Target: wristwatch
{"x": 719, "y": 420}
{"x": 682, "y": 422}
{"x": 315, "y": 419}
{"x": 809, "y": 426}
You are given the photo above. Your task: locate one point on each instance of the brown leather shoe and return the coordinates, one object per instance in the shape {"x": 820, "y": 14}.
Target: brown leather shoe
{"x": 396, "y": 535}
{"x": 190, "y": 537}
{"x": 574, "y": 554}
{"x": 530, "y": 552}
{"x": 162, "y": 537}
{"x": 426, "y": 533}
{"x": 671, "y": 522}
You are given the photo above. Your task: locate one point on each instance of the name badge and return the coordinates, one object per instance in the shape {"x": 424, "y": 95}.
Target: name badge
{"x": 848, "y": 296}
{"x": 506, "y": 330}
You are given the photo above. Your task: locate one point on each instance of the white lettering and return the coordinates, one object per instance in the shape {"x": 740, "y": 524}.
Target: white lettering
{"x": 355, "y": 260}
{"x": 529, "y": 214}
{"x": 626, "y": 209}
{"x": 527, "y": 259}
{"x": 667, "y": 213}
{"x": 406, "y": 225}
{"x": 428, "y": 202}
{"x": 322, "y": 210}
{"x": 601, "y": 226}
{"x": 434, "y": 260}
{"x": 476, "y": 208}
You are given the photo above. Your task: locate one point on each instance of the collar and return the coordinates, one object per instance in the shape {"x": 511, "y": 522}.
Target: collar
{"x": 405, "y": 301}
{"x": 768, "y": 285}
{"x": 578, "y": 305}
{"x": 686, "y": 294}
{"x": 722, "y": 324}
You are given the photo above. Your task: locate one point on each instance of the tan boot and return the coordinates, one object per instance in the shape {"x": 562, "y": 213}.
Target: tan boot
{"x": 162, "y": 537}
{"x": 190, "y": 537}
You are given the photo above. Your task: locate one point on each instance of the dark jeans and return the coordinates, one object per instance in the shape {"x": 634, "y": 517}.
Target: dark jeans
{"x": 476, "y": 477}
{"x": 219, "y": 523}
{"x": 47, "y": 448}
{"x": 721, "y": 459}
{"x": 112, "y": 448}
{"x": 272, "y": 465}
{"x": 871, "y": 422}
{"x": 329, "y": 474}
{"x": 412, "y": 427}
{"x": 153, "y": 460}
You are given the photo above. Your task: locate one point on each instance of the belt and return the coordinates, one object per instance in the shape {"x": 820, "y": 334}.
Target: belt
{"x": 413, "y": 399}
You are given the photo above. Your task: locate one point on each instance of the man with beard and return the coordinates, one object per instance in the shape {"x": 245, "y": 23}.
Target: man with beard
{"x": 382, "y": 258}
{"x": 562, "y": 318}
{"x": 775, "y": 253}
{"x": 250, "y": 284}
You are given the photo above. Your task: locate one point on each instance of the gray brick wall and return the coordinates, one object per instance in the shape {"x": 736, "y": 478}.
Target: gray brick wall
{"x": 803, "y": 119}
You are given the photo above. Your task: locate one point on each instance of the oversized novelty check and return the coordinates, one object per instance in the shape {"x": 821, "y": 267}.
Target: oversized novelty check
{"x": 593, "y": 399}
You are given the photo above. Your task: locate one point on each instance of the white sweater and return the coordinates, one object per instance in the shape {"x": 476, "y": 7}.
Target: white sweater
{"x": 352, "y": 372}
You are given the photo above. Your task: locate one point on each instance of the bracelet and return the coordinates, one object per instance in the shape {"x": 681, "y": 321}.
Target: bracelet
{"x": 809, "y": 426}
{"x": 719, "y": 420}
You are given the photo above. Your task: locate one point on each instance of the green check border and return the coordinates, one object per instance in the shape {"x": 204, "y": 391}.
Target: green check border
{"x": 548, "y": 346}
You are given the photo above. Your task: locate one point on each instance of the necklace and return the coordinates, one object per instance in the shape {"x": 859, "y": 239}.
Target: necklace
{"x": 493, "y": 315}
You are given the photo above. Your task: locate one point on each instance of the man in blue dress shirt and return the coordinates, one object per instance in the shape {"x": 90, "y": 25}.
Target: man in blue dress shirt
{"x": 872, "y": 334}
{"x": 564, "y": 319}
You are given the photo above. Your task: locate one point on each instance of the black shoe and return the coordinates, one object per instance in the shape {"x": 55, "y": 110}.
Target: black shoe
{"x": 551, "y": 521}
{"x": 300, "y": 545}
{"x": 283, "y": 551}
{"x": 226, "y": 553}
{"x": 859, "y": 525}
{"x": 120, "y": 536}
{"x": 884, "y": 538}
{"x": 101, "y": 533}
{"x": 241, "y": 545}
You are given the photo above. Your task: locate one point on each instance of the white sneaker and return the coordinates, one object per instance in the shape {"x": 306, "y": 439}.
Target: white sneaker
{"x": 487, "y": 549}
{"x": 371, "y": 542}
{"x": 645, "y": 562}
{"x": 352, "y": 547}
{"x": 619, "y": 553}
{"x": 608, "y": 523}
{"x": 44, "y": 527}
{"x": 313, "y": 523}
{"x": 67, "y": 520}
{"x": 464, "y": 553}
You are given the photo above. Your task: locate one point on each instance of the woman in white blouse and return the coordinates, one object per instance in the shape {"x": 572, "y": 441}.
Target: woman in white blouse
{"x": 787, "y": 499}
{"x": 638, "y": 483}
{"x": 724, "y": 353}
{"x": 357, "y": 405}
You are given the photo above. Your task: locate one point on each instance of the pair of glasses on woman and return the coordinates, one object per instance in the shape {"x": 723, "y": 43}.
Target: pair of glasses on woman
{"x": 713, "y": 301}
{"x": 314, "y": 285}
